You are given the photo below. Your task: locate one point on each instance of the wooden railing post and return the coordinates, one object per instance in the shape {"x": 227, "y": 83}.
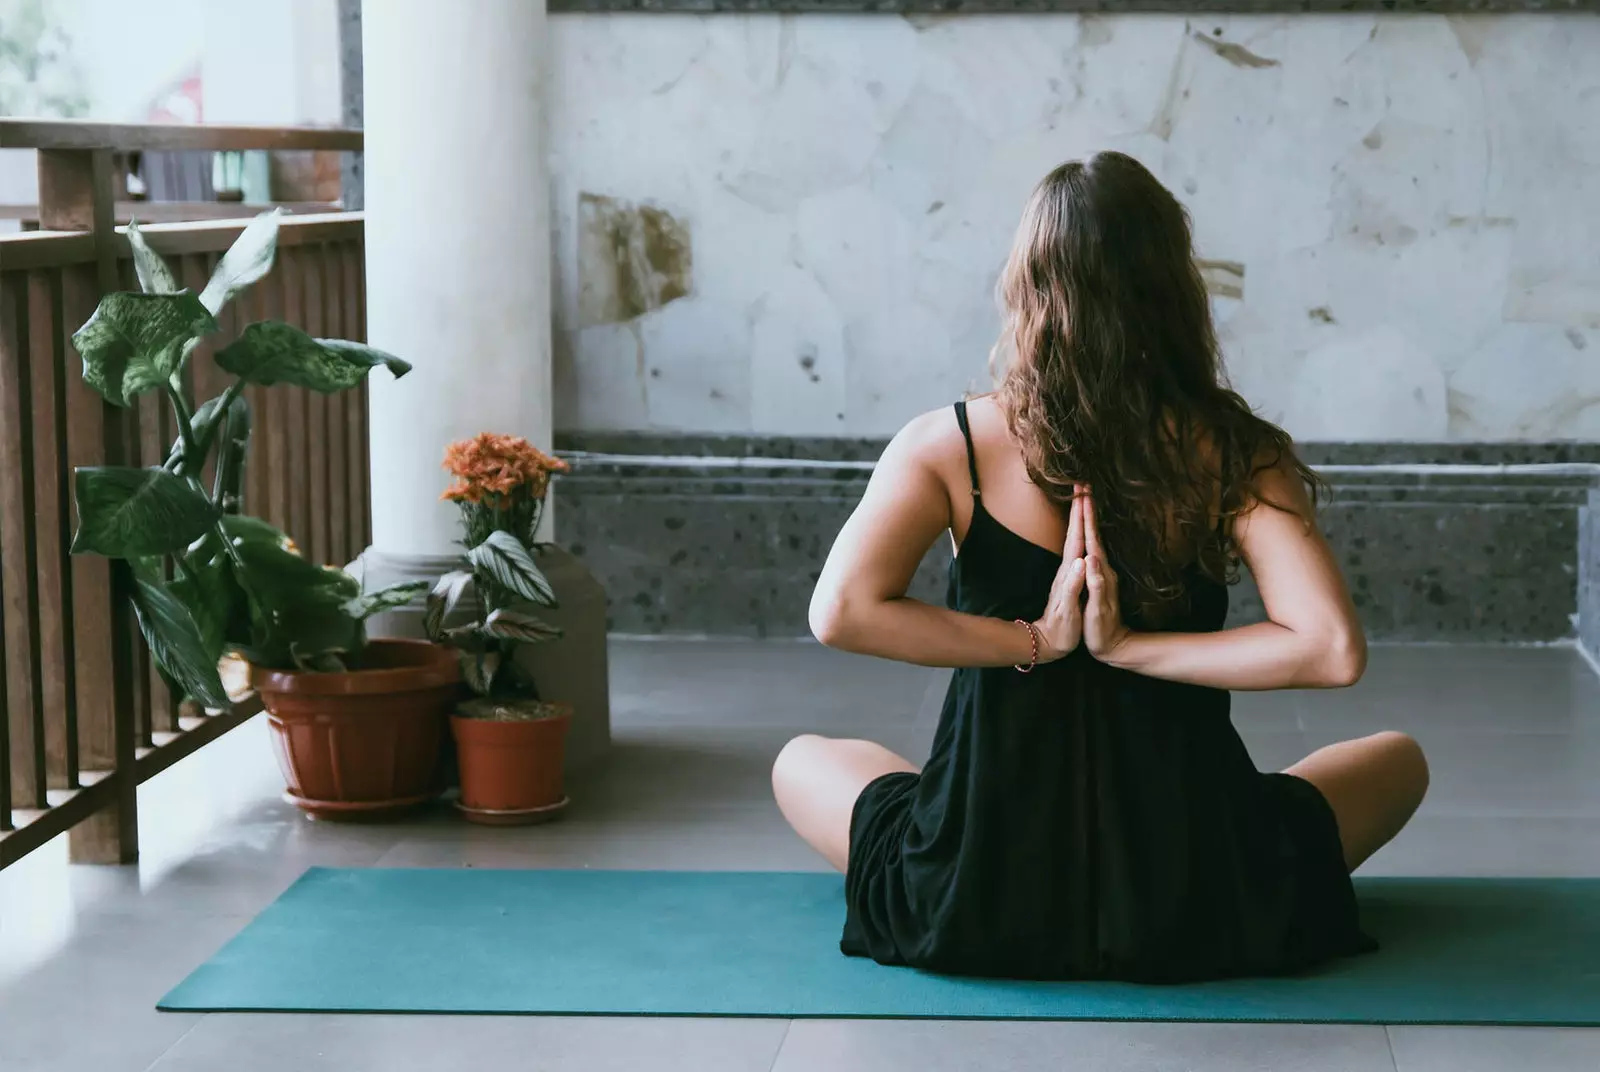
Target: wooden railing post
{"x": 23, "y": 716}
{"x": 75, "y": 194}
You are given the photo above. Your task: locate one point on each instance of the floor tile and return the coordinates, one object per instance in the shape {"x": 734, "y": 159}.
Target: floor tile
{"x": 722, "y": 682}
{"x": 1028, "y": 1046}
{"x": 1510, "y": 774}
{"x": 774, "y": 849}
{"x": 91, "y": 1005}
{"x": 1427, "y": 689}
{"x": 1495, "y": 1049}
{"x": 1480, "y": 845}
{"x": 713, "y": 767}
{"x": 503, "y": 1044}
{"x": 1272, "y": 712}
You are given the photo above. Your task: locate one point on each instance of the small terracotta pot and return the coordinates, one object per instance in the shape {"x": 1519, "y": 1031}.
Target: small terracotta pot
{"x": 365, "y": 742}
{"x": 512, "y": 771}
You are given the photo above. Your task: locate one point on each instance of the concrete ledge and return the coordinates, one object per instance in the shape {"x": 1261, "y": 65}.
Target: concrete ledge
{"x": 692, "y": 544}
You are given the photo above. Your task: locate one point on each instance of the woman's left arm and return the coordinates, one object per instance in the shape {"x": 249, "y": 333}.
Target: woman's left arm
{"x": 1311, "y": 638}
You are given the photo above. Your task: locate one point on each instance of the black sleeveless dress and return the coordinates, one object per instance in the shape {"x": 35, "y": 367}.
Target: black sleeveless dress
{"x": 1085, "y": 822}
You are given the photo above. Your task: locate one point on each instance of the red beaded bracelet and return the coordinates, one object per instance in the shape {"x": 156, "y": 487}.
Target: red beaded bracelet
{"x": 1033, "y": 637}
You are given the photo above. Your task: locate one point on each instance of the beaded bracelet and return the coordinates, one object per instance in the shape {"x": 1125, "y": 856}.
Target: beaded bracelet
{"x": 1033, "y": 637}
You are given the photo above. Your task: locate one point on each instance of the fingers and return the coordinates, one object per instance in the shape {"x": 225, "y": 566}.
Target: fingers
{"x": 1074, "y": 546}
{"x": 1075, "y": 581}
{"x": 1091, "y": 527}
{"x": 1096, "y": 575}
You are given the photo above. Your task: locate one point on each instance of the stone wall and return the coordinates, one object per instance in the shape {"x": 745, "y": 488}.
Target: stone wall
{"x": 792, "y": 224}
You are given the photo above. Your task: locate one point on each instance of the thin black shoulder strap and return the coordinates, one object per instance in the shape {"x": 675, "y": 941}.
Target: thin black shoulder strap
{"x": 972, "y": 453}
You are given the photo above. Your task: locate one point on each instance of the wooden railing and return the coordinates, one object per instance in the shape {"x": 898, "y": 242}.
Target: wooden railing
{"x": 84, "y": 718}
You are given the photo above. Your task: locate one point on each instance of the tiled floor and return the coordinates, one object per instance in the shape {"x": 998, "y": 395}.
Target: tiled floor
{"x": 1514, "y": 735}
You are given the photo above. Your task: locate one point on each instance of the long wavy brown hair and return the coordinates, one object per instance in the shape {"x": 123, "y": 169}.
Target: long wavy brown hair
{"x": 1112, "y": 378}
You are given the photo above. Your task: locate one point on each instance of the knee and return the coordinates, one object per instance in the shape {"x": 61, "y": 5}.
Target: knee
{"x": 1407, "y": 756}
{"x": 794, "y": 756}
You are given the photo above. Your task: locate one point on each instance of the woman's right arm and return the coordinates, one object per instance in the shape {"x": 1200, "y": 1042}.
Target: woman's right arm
{"x": 1311, "y": 638}
{"x": 860, "y": 603}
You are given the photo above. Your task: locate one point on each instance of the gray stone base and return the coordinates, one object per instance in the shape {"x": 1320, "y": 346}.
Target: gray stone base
{"x": 571, "y": 670}
{"x": 1589, "y": 575}
{"x": 690, "y": 543}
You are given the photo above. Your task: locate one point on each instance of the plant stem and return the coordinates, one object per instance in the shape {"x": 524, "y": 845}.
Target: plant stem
{"x": 219, "y": 419}
{"x": 180, "y": 406}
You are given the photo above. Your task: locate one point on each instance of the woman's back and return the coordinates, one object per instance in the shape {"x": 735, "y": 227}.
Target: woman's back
{"x": 1081, "y": 821}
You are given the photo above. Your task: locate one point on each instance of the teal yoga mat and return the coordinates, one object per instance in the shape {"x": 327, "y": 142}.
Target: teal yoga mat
{"x": 654, "y": 943}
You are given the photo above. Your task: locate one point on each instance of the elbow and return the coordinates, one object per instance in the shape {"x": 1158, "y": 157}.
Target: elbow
{"x": 1343, "y": 658}
{"x": 829, "y": 618}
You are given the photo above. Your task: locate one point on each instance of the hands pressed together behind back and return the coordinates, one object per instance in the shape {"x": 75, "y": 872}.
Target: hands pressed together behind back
{"x": 1083, "y": 605}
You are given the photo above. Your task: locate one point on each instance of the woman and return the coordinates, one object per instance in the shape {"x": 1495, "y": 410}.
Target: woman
{"x": 1088, "y": 810}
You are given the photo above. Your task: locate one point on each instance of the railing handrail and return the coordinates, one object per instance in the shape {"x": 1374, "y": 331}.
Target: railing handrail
{"x": 180, "y": 211}
{"x": 131, "y": 137}
{"x": 51, "y": 249}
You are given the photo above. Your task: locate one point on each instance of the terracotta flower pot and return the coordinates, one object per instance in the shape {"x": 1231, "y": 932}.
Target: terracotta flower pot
{"x": 365, "y": 742}
{"x": 512, "y": 770}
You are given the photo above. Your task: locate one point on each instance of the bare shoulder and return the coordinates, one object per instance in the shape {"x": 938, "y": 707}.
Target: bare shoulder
{"x": 928, "y": 437}
{"x": 930, "y": 442}
{"x": 1276, "y": 482}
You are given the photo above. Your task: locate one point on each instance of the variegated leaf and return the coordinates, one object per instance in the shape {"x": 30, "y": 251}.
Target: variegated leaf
{"x": 514, "y": 625}
{"x": 479, "y": 669}
{"x": 443, "y": 599}
{"x": 503, "y": 557}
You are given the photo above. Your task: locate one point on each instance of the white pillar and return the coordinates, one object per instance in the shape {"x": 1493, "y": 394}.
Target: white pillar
{"x": 458, "y": 245}
{"x": 458, "y": 284}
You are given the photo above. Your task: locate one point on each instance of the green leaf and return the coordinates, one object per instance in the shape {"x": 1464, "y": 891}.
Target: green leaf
{"x": 127, "y": 512}
{"x": 175, "y": 643}
{"x": 205, "y": 584}
{"x": 513, "y": 625}
{"x": 247, "y": 260}
{"x": 502, "y": 556}
{"x": 202, "y": 427}
{"x": 370, "y": 357}
{"x": 148, "y": 568}
{"x": 242, "y": 529}
{"x": 291, "y": 637}
{"x": 442, "y": 601}
{"x": 285, "y": 579}
{"x": 297, "y": 609}
{"x": 271, "y": 352}
{"x": 135, "y": 342}
{"x": 396, "y": 595}
{"x": 479, "y": 669}
{"x": 322, "y": 662}
{"x": 154, "y": 275}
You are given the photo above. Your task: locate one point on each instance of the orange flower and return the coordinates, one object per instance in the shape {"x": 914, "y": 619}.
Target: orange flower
{"x": 490, "y": 465}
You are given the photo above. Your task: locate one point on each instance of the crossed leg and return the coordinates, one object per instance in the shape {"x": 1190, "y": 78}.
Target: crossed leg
{"x": 1374, "y": 785}
{"x": 817, "y": 780}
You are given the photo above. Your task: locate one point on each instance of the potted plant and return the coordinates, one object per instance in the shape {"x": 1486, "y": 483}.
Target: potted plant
{"x": 510, "y": 744}
{"x": 358, "y": 725}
